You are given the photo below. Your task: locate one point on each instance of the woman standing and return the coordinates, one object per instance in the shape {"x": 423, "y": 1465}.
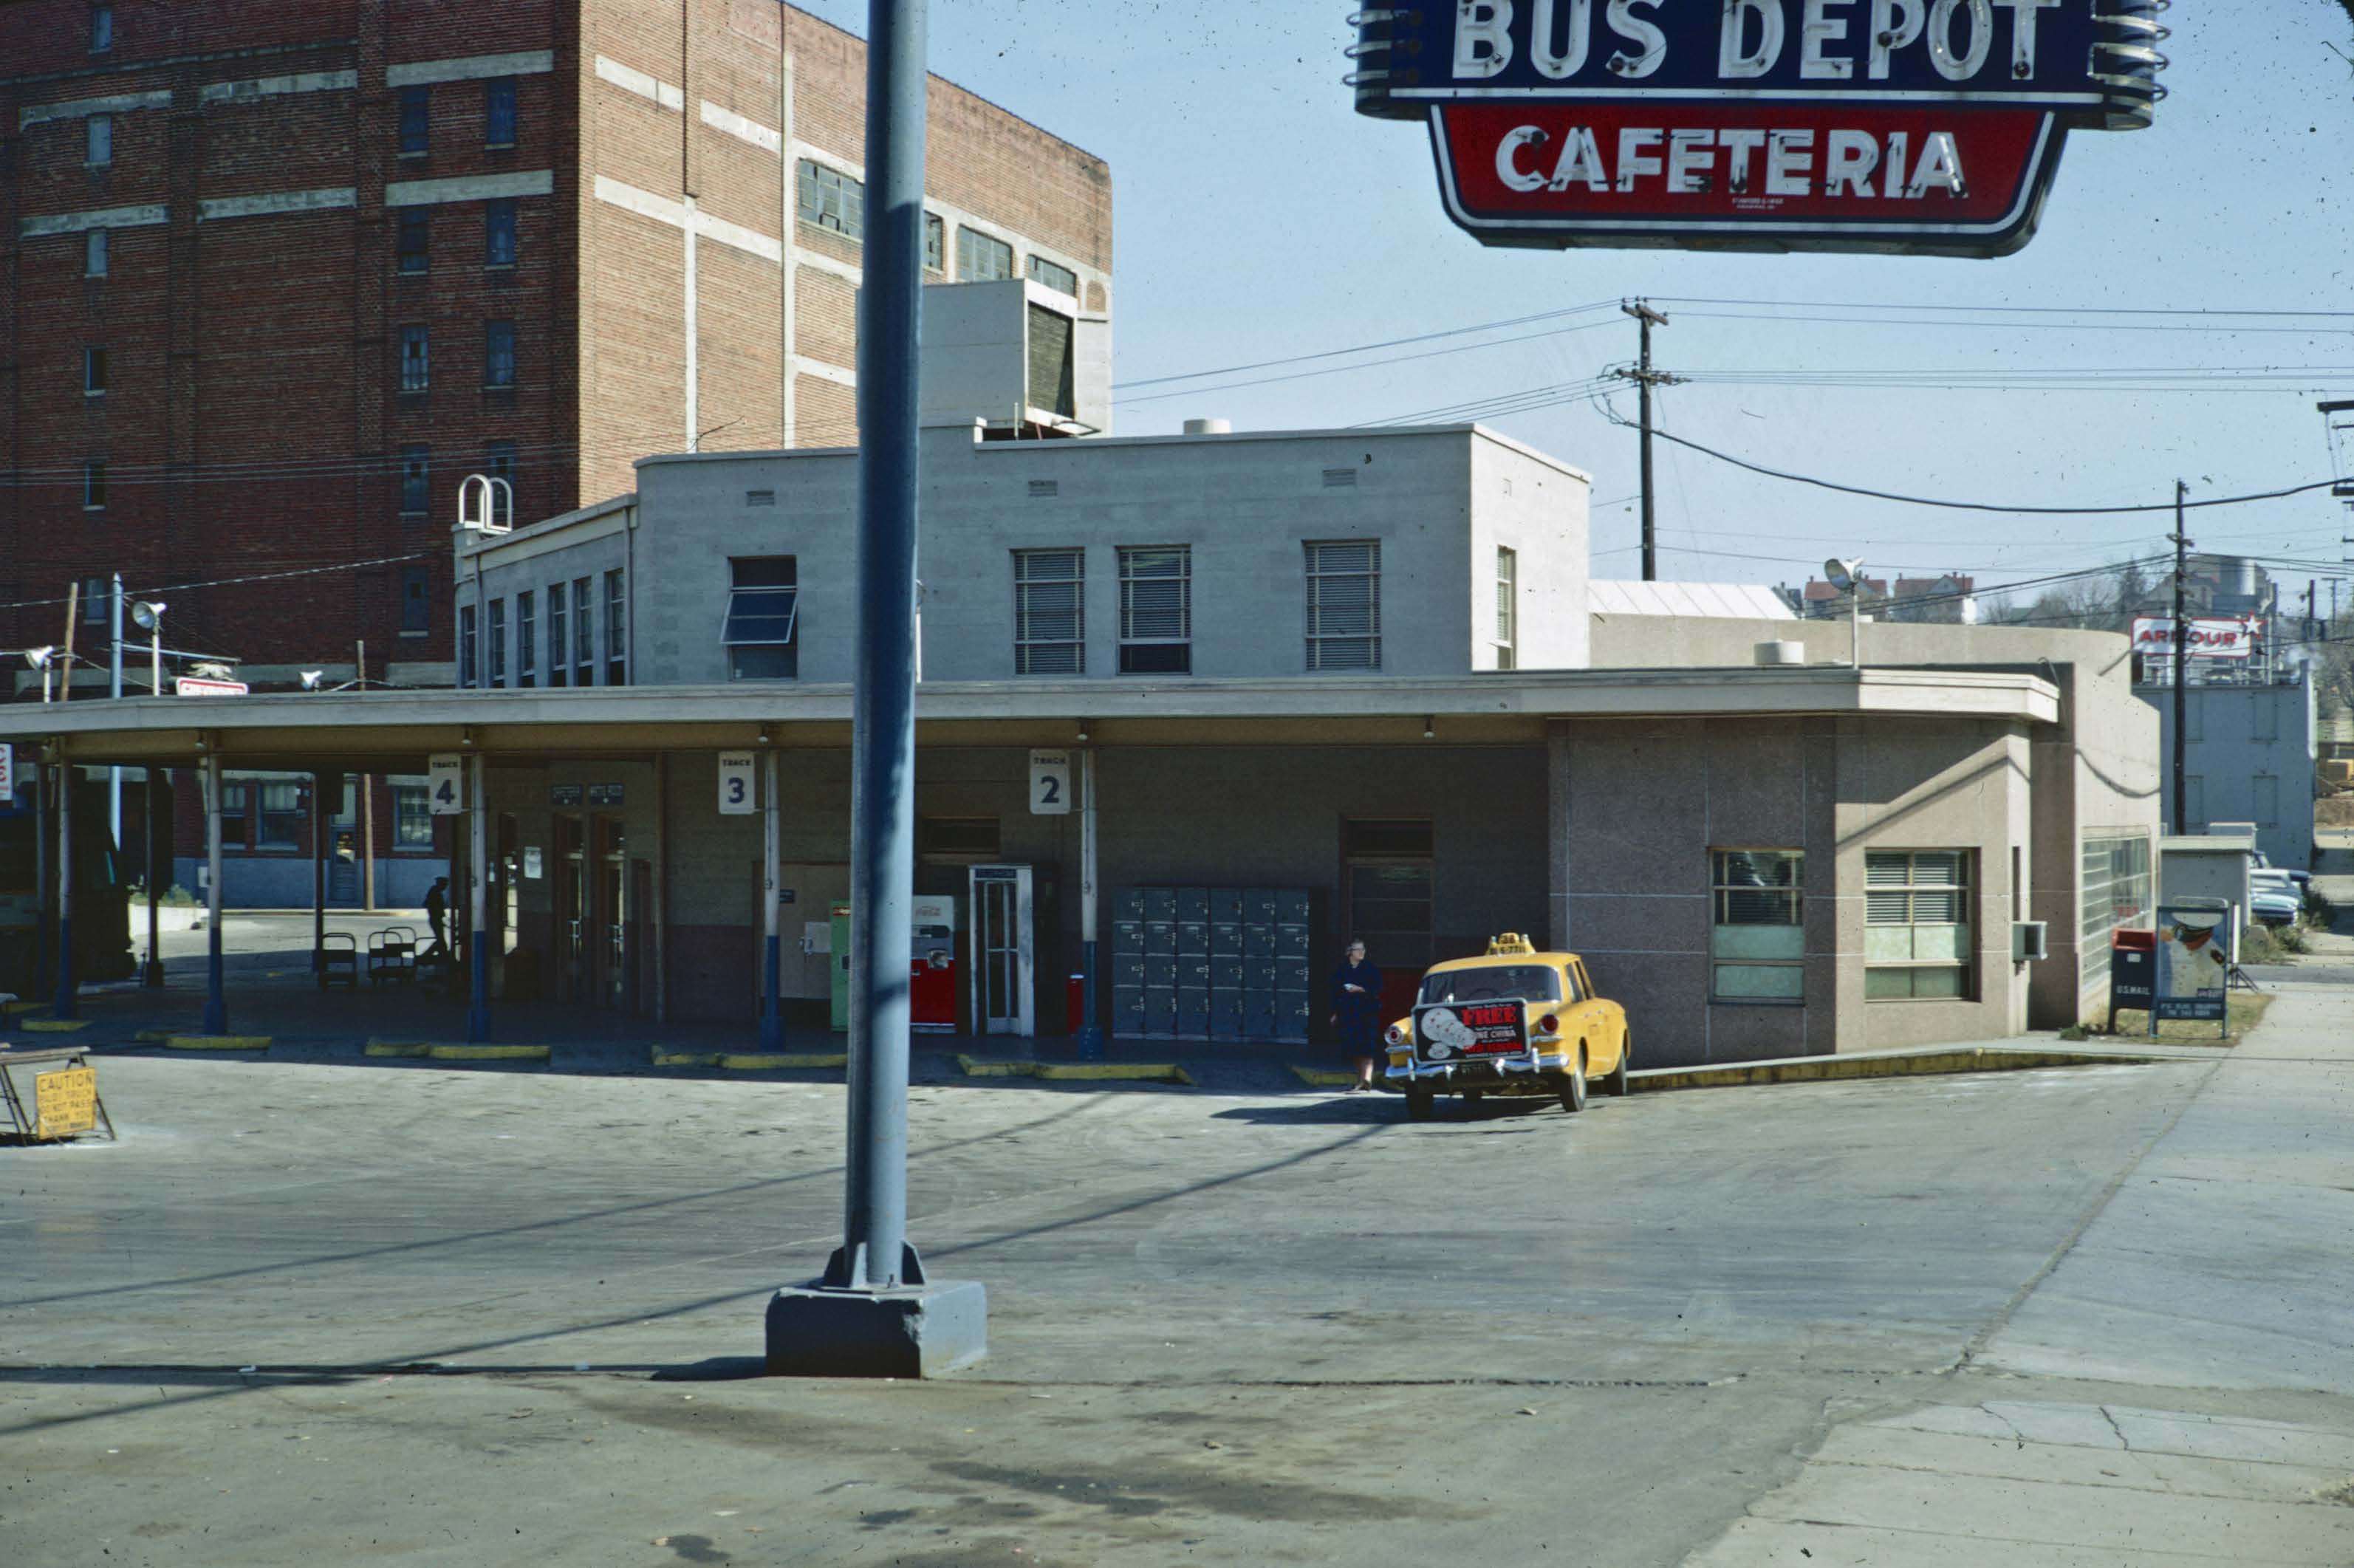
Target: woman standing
{"x": 1357, "y": 1010}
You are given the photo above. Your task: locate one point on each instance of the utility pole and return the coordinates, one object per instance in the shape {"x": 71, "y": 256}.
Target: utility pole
{"x": 367, "y": 805}
{"x": 114, "y": 691}
{"x": 2181, "y": 645}
{"x": 73, "y": 614}
{"x": 1645, "y": 378}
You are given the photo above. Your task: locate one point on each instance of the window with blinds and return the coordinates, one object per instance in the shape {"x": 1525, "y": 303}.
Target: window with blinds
{"x": 1508, "y": 625}
{"x": 2114, "y": 895}
{"x": 1916, "y": 937}
{"x": 1049, "y": 613}
{"x": 1156, "y": 609}
{"x": 1758, "y": 948}
{"x": 1345, "y": 605}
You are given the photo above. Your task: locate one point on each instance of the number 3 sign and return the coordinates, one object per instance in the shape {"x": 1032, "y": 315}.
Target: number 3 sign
{"x": 736, "y": 784}
{"x": 1050, "y": 783}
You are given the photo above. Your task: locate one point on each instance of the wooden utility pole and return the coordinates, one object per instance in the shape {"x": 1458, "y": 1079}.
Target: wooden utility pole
{"x": 367, "y": 804}
{"x": 1645, "y": 378}
{"x": 73, "y": 613}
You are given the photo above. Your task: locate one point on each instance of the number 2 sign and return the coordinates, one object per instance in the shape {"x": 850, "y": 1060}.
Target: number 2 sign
{"x": 1050, "y": 783}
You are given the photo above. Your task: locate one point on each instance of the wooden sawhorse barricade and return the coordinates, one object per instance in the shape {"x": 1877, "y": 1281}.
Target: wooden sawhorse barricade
{"x": 64, "y": 1103}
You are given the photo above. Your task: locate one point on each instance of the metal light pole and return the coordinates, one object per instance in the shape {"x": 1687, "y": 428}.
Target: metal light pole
{"x": 63, "y": 1006}
{"x": 772, "y": 962}
{"x": 114, "y": 691}
{"x": 215, "y": 1002}
{"x": 872, "y": 1313}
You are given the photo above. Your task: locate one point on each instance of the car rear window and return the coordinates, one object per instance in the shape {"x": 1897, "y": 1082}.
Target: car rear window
{"x": 1531, "y": 982}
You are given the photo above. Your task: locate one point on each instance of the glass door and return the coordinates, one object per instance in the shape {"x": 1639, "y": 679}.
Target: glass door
{"x": 571, "y": 913}
{"x": 1003, "y": 997}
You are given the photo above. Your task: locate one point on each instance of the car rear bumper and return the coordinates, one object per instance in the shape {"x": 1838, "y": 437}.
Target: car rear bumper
{"x": 1478, "y": 1072}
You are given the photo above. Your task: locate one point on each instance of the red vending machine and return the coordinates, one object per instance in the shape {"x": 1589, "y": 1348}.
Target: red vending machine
{"x": 932, "y": 967}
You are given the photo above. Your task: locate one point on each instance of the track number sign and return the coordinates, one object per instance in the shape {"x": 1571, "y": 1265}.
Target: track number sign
{"x": 736, "y": 787}
{"x": 445, "y": 783}
{"x": 1050, "y": 783}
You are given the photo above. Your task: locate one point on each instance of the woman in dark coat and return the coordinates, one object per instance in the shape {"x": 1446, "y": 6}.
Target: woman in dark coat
{"x": 1357, "y": 1011}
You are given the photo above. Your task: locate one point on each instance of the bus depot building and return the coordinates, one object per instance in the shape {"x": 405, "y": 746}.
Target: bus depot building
{"x": 1287, "y": 688}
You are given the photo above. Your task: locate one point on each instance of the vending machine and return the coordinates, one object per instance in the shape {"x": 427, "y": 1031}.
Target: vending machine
{"x": 932, "y": 966}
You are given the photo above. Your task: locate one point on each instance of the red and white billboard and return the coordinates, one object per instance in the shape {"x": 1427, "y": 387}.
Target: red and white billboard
{"x": 2208, "y": 637}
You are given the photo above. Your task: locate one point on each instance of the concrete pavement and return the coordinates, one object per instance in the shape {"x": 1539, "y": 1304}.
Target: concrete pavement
{"x": 322, "y": 1310}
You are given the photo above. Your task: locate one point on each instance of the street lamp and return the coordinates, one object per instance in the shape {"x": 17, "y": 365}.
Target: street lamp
{"x": 1847, "y": 576}
{"x": 147, "y": 615}
{"x": 41, "y": 659}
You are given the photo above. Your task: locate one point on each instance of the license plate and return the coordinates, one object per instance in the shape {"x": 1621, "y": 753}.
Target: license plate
{"x": 1452, "y": 1031}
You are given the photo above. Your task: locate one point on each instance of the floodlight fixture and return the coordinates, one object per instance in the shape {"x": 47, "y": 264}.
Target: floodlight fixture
{"x": 147, "y": 615}
{"x": 1846, "y": 574}
{"x": 310, "y": 678}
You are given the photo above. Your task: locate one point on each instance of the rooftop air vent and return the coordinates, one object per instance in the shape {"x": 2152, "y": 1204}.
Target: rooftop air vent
{"x": 1041, "y": 487}
{"x": 1209, "y": 427}
{"x": 1340, "y": 478}
{"x": 759, "y": 498}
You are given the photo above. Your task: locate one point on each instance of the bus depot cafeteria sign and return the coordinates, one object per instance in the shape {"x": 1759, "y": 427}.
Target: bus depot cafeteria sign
{"x": 1932, "y": 127}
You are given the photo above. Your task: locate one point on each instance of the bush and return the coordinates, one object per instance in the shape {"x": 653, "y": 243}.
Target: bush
{"x": 2293, "y": 939}
{"x": 2259, "y": 945}
{"x": 2075, "y": 1031}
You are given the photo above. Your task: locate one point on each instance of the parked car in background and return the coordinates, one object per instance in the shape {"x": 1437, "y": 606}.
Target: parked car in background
{"x": 1513, "y": 1021}
{"x": 2274, "y": 898}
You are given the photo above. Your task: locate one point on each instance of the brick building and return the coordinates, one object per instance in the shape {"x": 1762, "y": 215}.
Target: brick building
{"x": 274, "y": 279}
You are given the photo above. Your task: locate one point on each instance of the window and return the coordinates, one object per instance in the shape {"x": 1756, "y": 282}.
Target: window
{"x": 94, "y": 608}
{"x": 416, "y": 360}
{"x": 831, "y": 199}
{"x": 499, "y": 462}
{"x": 1054, "y": 275}
{"x": 1053, "y": 384}
{"x": 1508, "y": 629}
{"x": 497, "y": 665}
{"x": 1049, "y": 618}
{"x": 102, "y": 28}
{"x": 283, "y": 811}
{"x": 412, "y": 816}
{"x": 1345, "y": 605}
{"x": 584, "y": 641}
{"x": 499, "y": 112}
{"x": 1916, "y": 937}
{"x": 498, "y": 354}
{"x": 935, "y": 243}
{"x": 763, "y": 609}
{"x": 416, "y": 121}
{"x": 1387, "y": 883}
{"x": 98, "y": 140}
{"x": 416, "y": 608}
{"x": 2263, "y": 794}
{"x": 499, "y": 232}
{"x": 413, "y": 240}
{"x": 94, "y": 254}
{"x": 1156, "y": 610}
{"x": 93, "y": 371}
{"x": 962, "y": 840}
{"x": 1757, "y": 951}
{"x": 559, "y": 662}
{"x": 1530, "y": 983}
{"x": 416, "y": 481}
{"x": 526, "y": 643}
{"x": 981, "y": 258}
{"x": 2114, "y": 895}
{"x": 469, "y": 649}
{"x": 93, "y": 485}
{"x": 617, "y": 625}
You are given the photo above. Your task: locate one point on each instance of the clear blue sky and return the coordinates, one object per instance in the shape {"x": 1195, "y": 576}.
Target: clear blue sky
{"x": 1256, "y": 216}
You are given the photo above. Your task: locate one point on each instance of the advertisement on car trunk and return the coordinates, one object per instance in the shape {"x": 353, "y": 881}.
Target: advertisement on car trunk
{"x": 1449, "y": 1031}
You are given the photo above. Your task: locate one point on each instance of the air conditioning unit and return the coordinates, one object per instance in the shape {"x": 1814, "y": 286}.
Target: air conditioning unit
{"x": 2027, "y": 944}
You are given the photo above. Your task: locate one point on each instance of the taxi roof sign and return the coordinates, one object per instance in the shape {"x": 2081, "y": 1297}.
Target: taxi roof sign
{"x": 1510, "y": 942}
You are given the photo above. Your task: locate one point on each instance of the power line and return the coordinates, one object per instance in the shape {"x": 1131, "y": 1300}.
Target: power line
{"x": 256, "y": 577}
{"x": 1370, "y": 347}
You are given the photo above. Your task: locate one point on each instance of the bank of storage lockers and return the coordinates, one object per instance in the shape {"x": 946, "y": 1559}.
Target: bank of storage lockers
{"x": 1212, "y": 963}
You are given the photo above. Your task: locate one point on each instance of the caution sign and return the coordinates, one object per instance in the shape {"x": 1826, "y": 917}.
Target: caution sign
{"x": 65, "y": 1103}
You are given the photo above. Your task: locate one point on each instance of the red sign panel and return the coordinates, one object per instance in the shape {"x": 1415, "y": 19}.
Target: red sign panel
{"x": 1745, "y": 174}
{"x": 1451, "y": 1031}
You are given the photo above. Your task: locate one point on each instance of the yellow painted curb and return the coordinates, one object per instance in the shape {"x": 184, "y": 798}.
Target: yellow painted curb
{"x": 399, "y": 1048}
{"x": 1075, "y": 1072}
{"x": 154, "y": 1036}
{"x": 488, "y": 1053}
{"x": 16, "y": 1009}
{"x": 51, "y": 1026}
{"x": 757, "y": 1062}
{"x": 687, "y": 1058}
{"x": 1322, "y": 1078}
{"x": 218, "y": 1042}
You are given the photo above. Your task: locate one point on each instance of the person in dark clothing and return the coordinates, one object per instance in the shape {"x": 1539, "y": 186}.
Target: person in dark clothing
{"x": 437, "y": 917}
{"x": 1357, "y": 1010}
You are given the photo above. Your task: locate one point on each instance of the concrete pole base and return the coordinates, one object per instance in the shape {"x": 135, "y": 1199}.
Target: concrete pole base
{"x": 914, "y": 1332}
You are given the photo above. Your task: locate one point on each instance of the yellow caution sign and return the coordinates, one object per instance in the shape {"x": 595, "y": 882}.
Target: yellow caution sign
{"x": 65, "y": 1103}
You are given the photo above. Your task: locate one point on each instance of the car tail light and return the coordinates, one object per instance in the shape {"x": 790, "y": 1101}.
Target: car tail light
{"x": 1548, "y": 1024}
{"x": 1396, "y": 1036}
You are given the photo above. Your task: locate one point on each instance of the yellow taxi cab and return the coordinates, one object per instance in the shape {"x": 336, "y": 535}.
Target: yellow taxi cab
{"x": 1512, "y": 1021}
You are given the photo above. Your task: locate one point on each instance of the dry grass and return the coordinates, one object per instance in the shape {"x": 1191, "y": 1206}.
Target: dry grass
{"x": 2244, "y": 1010}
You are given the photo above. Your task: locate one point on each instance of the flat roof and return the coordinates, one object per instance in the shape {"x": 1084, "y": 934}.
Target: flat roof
{"x": 1496, "y": 708}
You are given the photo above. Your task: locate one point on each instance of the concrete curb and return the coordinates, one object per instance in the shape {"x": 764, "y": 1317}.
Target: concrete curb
{"x": 422, "y": 1051}
{"x": 1888, "y": 1064}
{"x": 1075, "y": 1072}
{"x": 216, "y": 1041}
{"x": 753, "y": 1061}
{"x": 1322, "y": 1078}
{"x": 51, "y": 1026}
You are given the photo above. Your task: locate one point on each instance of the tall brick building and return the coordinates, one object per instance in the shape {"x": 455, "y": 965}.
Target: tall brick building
{"x": 275, "y": 278}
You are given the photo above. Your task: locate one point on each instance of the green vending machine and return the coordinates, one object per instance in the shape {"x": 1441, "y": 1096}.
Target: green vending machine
{"x": 837, "y": 964}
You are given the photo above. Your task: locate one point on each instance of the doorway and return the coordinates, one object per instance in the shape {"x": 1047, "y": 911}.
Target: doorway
{"x": 1387, "y": 866}
{"x": 1004, "y": 996}
{"x": 572, "y": 909}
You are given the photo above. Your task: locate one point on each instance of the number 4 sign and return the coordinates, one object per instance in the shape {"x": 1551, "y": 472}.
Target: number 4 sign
{"x": 734, "y": 783}
{"x": 1050, "y": 783}
{"x": 445, "y": 783}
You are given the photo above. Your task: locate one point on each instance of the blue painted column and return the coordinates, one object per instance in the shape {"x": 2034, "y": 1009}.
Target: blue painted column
{"x": 62, "y": 1005}
{"x": 772, "y": 1018}
{"x": 216, "y": 1021}
{"x": 478, "y": 933}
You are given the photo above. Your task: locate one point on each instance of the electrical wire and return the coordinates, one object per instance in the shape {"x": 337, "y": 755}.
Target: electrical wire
{"x": 1587, "y": 307}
